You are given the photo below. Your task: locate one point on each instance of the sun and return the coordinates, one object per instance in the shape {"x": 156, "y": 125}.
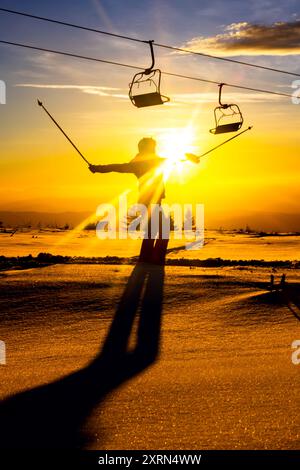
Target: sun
{"x": 173, "y": 145}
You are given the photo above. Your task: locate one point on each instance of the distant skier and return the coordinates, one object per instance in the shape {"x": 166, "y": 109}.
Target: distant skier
{"x": 272, "y": 287}
{"x": 282, "y": 282}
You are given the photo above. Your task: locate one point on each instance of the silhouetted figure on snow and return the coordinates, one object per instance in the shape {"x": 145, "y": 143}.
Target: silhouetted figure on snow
{"x": 147, "y": 167}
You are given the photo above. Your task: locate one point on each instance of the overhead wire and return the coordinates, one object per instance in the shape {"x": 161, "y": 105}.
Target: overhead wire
{"x": 165, "y": 46}
{"x": 121, "y": 64}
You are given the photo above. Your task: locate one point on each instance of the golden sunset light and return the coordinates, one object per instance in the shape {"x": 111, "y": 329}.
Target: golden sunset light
{"x": 149, "y": 233}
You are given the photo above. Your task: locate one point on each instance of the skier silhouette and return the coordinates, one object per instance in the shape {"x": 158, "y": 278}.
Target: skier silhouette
{"x": 146, "y": 166}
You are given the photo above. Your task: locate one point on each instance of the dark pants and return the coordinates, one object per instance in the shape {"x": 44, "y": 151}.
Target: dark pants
{"x": 154, "y": 248}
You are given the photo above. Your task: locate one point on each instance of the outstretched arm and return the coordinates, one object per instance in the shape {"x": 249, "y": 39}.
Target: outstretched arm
{"x": 116, "y": 167}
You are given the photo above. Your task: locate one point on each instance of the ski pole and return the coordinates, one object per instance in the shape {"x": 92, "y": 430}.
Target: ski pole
{"x": 195, "y": 159}
{"x": 67, "y": 137}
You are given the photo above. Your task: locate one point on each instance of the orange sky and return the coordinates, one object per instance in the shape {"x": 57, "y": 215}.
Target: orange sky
{"x": 40, "y": 171}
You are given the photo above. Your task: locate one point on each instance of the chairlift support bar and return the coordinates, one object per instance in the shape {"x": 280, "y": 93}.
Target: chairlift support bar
{"x": 67, "y": 137}
{"x": 220, "y": 96}
{"x": 149, "y": 70}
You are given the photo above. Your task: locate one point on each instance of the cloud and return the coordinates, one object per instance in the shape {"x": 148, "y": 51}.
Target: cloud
{"x": 177, "y": 99}
{"x": 282, "y": 38}
{"x": 210, "y": 97}
{"x": 90, "y": 89}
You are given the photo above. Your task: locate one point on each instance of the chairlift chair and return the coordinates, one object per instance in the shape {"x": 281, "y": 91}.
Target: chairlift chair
{"x": 144, "y": 90}
{"x": 228, "y": 117}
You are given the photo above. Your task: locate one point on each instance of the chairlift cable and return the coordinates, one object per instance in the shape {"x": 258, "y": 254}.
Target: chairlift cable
{"x": 226, "y": 59}
{"x": 170, "y": 74}
{"x": 70, "y": 54}
{"x": 165, "y": 46}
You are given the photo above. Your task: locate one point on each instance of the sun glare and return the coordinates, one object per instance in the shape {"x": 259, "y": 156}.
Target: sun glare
{"x": 173, "y": 145}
